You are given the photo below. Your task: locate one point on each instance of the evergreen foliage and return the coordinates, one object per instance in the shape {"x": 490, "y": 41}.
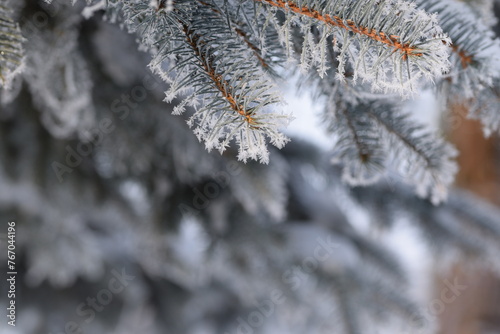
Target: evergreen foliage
{"x": 221, "y": 59}
{"x": 102, "y": 174}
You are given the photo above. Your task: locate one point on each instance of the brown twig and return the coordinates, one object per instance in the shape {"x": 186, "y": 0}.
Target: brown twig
{"x": 465, "y": 59}
{"x": 221, "y": 84}
{"x": 405, "y": 49}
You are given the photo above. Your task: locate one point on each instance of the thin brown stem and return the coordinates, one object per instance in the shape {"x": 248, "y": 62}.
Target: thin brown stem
{"x": 394, "y": 41}
{"x": 465, "y": 59}
{"x": 222, "y": 85}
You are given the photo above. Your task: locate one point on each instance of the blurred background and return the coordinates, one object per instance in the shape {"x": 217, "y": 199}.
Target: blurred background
{"x": 126, "y": 224}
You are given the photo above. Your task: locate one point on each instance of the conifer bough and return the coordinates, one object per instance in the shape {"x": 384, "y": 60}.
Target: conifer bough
{"x": 197, "y": 49}
{"x": 388, "y": 43}
{"x": 220, "y": 58}
{"x": 406, "y": 50}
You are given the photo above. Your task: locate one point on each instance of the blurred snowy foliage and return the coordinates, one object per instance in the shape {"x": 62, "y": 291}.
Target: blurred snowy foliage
{"x": 11, "y": 49}
{"x": 103, "y": 180}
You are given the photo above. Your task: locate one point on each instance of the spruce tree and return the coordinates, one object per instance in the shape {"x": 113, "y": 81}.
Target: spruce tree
{"x": 147, "y": 137}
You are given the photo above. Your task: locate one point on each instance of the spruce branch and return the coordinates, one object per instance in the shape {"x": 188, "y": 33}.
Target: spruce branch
{"x": 406, "y": 50}
{"x": 222, "y": 85}
{"x": 373, "y": 137}
{"x": 238, "y": 28}
{"x": 389, "y": 43}
{"x": 204, "y": 61}
{"x": 423, "y": 159}
{"x": 358, "y": 147}
{"x": 475, "y": 74}
{"x": 475, "y": 50}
